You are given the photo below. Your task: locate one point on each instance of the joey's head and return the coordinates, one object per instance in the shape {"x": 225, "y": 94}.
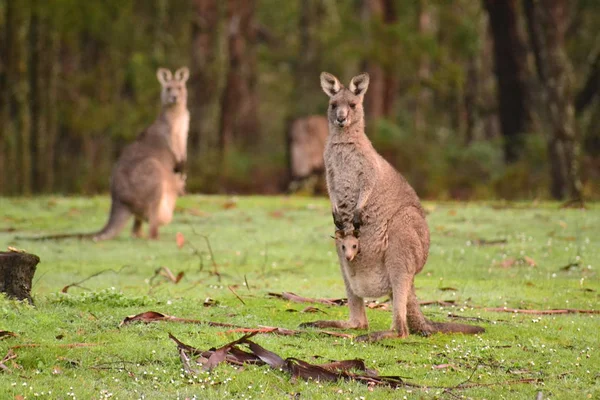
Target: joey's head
{"x": 345, "y": 104}
{"x": 348, "y": 242}
{"x": 173, "y": 90}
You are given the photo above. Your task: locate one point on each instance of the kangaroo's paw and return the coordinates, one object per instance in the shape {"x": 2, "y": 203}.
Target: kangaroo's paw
{"x": 337, "y": 220}
{"x": 376, "y": 336}
{"x": 357, "y": 220}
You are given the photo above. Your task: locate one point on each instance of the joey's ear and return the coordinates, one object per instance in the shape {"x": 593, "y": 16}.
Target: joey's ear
{"x": 182, "y": 74}
{"x": 330, "y": 84}
{"x": 339, "y": 234}
{"x": 164, "y": 76}
{"x": 359, "y": 84}
{"x": 356, "y": 233}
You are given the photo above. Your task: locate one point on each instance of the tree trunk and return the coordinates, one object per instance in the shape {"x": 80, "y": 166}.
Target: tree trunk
{"x": 18, "y": 113}
{"x": 204, "y": 82}
{"x": 306, "y": 95}
{"x": 425, "y": 28}
{"x": 37, "y": 145}
{"x": 3, "y": 104}
{"x": 50, "y": 72}
{"x": 383, "y": 83}
{"x": 547, "y": 25}
{"x": 16, "y": 274}
{"x": 239, "y": 103}
{"x": 510, "y": 66}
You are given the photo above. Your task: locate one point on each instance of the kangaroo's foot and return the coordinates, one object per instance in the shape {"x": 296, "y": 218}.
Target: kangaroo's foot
{"x": 136, "y": 230}
{"x": 376, "y": 336}
{"x": 334, "y": 324}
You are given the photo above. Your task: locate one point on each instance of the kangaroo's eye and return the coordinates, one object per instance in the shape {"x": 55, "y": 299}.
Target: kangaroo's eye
{"x": 333, "y": 106}
{"x": 353, "y": 246}
{"x": 353, "y": 105}
{"x": 343, "y": 247}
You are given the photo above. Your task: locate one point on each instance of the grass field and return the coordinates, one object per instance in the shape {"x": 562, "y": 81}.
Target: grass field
{"x": 484, "y": 255}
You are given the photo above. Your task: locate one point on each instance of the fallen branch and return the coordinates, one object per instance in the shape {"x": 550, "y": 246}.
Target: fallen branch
{"x": 77, "y": 284}
{"x": 166, "y": 272}
{"x": 210, "y": 252}
{"x": 153, "y": 316}
{"x": 236, "y": 295}
{"x": 442, "y": 303}
{"x": 66, "y": 345}
{"x": 11, "y": 355}
{"x": 299, "y": 299}
{"x": 540, "y": 312}
{"x": 6, "y": 334}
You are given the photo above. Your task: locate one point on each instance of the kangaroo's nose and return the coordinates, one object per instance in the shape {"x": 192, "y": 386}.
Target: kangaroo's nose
{"x": 341, "y": 118}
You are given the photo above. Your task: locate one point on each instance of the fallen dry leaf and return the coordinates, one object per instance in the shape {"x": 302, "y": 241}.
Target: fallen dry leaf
{"x": 448, "y": 289}
{"x": 7, "y": 334}
{"x": 180, "y": 240}
{"x": 311, "y": 309}
{"x": 229, "y": 204}
{"x": 297, "y": 368}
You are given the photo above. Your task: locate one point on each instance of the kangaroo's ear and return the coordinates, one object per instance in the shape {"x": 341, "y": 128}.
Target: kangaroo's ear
{"x": 359, "y": 84}
{"x": 164, "y": 76}
{"x": 356, "y": 233}
{"x": 339, "y": 234}
{"x": 182, "y": 74}
{"x": 330, "y": 84}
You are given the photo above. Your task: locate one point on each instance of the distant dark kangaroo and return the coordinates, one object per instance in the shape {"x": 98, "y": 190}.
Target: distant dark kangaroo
{"x": 367, "y": 193}
{"x": 148, "y": 177}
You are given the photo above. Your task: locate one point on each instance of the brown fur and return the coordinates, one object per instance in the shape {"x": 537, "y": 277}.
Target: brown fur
{"x": 348, "y": 243}
{"x": 307, "y": 141}
{"x": 367, "y": 193}
{"x": 146, "y": 180}
{"x": 148, "y": 177}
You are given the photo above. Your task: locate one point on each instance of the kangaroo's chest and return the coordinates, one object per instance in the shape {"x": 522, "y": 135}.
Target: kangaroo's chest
{"x": 179, "y": 135}
{"x": 345, "y": 166}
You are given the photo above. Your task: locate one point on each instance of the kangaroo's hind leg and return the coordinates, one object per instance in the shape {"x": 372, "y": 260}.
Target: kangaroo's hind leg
{"x": 402, "y": 258}
{"x": 136, "y": 230}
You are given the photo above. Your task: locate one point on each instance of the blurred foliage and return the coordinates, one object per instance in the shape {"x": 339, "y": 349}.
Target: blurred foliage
{"x": 107, "y": 92}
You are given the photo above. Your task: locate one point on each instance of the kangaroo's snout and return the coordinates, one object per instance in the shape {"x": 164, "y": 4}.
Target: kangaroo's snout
{"x": 341, "y": 117}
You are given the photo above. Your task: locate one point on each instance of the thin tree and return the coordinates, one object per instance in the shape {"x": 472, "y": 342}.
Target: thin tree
{"x": 510, "y": 67}
{"x": 239, "y": 101}
{"x": 547, "y": 23}
{"x": 204, "y": 81}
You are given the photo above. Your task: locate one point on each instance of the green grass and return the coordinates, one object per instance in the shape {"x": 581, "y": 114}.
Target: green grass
{"x": 283, "y": 244}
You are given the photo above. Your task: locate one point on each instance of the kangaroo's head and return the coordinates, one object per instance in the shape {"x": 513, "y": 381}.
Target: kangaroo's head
{"x": 345, "y": 104}
{"x": 173, "y": 90}
{"x": 349, "y": 243}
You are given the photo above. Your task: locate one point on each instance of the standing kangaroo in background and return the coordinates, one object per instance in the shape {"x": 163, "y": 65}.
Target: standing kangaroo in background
{"x": 148, "y": 177}
{"x": 369, "y": 195}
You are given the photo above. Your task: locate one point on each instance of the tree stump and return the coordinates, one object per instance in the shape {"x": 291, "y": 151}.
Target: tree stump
{"x": 16, "y": 274}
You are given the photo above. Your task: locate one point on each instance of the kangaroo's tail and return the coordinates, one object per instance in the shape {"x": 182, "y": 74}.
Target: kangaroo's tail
{"x": 451, "y": 327}
{"x": 119, "y": 214}
{"x": 58, "y": 236}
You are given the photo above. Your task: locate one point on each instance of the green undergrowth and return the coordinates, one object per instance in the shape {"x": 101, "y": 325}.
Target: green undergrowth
{"x": 237, "y": 250}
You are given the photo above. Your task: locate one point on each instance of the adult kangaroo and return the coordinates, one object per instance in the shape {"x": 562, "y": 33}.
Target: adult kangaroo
{"x": 368, "y": 194}
{"x": 148, "y": 176}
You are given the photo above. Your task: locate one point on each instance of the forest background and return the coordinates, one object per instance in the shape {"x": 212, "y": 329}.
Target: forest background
{"x": 468, "y": 99}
